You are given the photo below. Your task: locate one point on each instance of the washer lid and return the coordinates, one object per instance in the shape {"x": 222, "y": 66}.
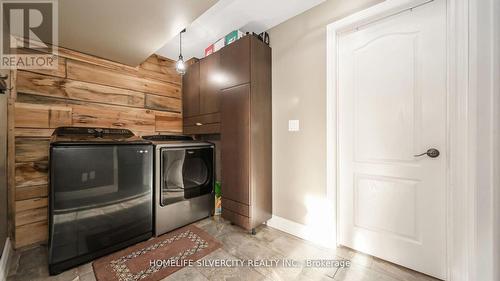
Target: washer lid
{"x": 82, "y": 136}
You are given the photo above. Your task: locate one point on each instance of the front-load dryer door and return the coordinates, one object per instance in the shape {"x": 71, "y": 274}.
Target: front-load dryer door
{"x": 185, "y": 173}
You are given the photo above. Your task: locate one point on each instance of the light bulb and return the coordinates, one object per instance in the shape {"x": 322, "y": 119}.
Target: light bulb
{"x": 180, "y": 66}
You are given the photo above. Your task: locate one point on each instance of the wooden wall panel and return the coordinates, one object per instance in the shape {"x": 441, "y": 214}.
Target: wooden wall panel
{"x": 31, "y": 173}
{"x": 83, "y": 91}
{"x": 160, "y": 68}
{"x": 99, "y": 75}
{"x": 32, "y": 83}
{"x": 31, "y": 204}
{"x": 113, "y": 117}
{"x": 60, "y": 116}
{"x": 61, "y": 64}
{"x": 31, "y": 216}
{"x": 29, "y": 192}
{"x": 32, "y": 116}
{"x": 59, "y": 72}
{"x": 168, "y": 122}
{"x": 32, "y": 149}
{"x": 33, "y": 233}
{"x": 29, "y": 132}
{"x": 41, "y": 116}
{"x": 163, "y": 103}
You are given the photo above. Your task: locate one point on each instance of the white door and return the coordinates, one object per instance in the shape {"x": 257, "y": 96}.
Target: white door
{"x": 392, "y": 106}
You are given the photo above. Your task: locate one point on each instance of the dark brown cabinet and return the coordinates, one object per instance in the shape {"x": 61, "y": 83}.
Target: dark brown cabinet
{"x": 235, "y": 63}
{"x": 246, "y": 133}
{"x": 235, "y": 132}
{"x": 191, "y": 91}
{"x": 232, "y": 96}
{"x": 201, "y": 97}
{"x": 210, "y": 84}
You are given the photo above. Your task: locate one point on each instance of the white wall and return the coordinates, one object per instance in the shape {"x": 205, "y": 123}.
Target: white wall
{"x": 484, "y": 83}
{"x": 299, "y": 92}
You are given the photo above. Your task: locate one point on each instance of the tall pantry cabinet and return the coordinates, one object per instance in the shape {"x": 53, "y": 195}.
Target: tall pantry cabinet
{"x": 242, "y": 75}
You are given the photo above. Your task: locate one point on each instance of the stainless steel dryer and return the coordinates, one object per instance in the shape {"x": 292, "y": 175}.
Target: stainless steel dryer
{"x": 184, "y": 181}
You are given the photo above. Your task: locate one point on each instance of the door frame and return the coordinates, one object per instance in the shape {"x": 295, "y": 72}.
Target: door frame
{"x": 460, "y": 130}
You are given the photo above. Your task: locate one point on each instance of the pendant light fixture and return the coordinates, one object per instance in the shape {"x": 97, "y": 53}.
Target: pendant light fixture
{"x": 180, "y": 66}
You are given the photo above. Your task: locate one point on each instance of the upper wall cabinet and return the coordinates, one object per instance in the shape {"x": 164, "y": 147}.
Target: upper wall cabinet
{"x": 210, "y": 84}
{"x": 200, "y": 96}
{"x": 205, "y": 79}
{"x": 235, "y": 63}
{"x": 191, "y": 91}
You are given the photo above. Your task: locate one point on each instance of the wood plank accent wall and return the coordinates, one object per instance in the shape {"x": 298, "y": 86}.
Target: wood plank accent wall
{"x": 84, "y": 91}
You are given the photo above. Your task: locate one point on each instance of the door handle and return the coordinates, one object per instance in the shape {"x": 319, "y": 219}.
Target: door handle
{"x": 431, "y": 152}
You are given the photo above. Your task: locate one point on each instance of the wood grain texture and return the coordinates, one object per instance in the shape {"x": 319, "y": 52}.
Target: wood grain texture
{"x": 32, "y": 83}
{"x": 31, "y": 216}
{"x": 59, "y": 72}
{"x": 77, "y": 56}
{"x": 31, "y": 173}
{"x": 160, "y": 68}
{"x": 11, "y": 154}
{"x": 32, "y": 149}
{"x": 60, "y": 116}
{"x": 163, "y": 103}
{"x": 100, "y": 75}
{"x": 30, "y": 204}
{"x": 95, "y": 93}
{"x": 31, "y": 234}
{"x": 168, "y": 122}
{"x": 33, "y": 132}
{"x": 31, "y": 116}
{"x": 113, "y": 117}
{"x": 29, "y": 192}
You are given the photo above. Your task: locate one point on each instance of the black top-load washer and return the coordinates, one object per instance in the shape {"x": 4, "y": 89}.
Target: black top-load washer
{"x": 101, "y": 184}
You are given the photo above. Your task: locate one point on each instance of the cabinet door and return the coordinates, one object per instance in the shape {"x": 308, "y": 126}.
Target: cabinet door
{"x": 209, "y": 84}
{"x": 235, "y": 143}
{"x": 235, "y": 63}
{"x": 191, "y": 91}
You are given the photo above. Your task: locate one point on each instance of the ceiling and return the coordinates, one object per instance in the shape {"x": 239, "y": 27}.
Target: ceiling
{"x": 126, "y": 31}
{"x": 228, "y": 15}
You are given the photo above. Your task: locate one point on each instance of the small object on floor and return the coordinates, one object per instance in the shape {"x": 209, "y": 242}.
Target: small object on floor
{"x": 144, "y": 261}
{"x": 253, "y": 231}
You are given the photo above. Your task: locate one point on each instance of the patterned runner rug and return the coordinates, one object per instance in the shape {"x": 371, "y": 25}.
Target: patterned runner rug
{"x": 150, "y": 260}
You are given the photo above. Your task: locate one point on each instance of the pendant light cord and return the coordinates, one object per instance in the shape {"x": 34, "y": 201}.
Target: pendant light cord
{"x": 180, "y": 42}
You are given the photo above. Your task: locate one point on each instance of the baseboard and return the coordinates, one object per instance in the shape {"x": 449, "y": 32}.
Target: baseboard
{"x": 306, "y": 232}
{"x": 4, "y": 261}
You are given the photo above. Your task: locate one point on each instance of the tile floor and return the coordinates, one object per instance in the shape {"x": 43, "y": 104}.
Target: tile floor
{"x": 268, "y": 243}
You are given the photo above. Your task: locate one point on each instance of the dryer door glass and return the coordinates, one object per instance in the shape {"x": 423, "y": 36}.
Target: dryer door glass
{"x": 186, "y": 173}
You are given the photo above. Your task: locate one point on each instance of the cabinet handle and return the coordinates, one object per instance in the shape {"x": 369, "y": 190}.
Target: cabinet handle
{"x": 198, "y": 124}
